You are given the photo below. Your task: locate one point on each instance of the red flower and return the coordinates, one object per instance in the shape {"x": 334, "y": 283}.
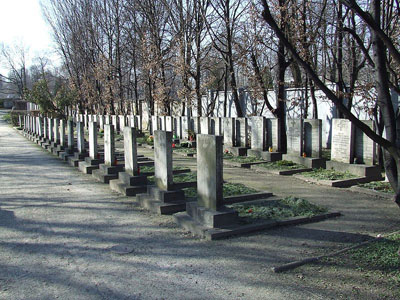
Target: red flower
{"x": 173, "y": 145}
{"x": 250, "y": 210}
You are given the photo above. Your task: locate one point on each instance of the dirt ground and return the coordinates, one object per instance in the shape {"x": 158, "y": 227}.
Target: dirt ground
{"x": 60, "y": 232}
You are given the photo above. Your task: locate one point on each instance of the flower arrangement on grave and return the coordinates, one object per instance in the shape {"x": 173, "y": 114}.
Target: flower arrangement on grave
{"x": 150, "y": 139}
{"x": 304, "y": 154}
{"x": 270, "y": 149}
{"x": 191, "y": 135}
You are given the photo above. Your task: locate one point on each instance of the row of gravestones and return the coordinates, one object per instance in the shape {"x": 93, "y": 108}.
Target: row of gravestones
{"x": 304, "y": 137}
{"x": 163, "y": 197}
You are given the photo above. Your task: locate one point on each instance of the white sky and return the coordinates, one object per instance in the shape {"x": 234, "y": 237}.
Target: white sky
{"x": 21, "y": 21}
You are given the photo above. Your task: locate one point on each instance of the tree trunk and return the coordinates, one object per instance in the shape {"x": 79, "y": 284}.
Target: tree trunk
{"x": 391, "y": 162}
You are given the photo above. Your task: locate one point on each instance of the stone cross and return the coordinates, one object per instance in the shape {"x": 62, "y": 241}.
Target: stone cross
{"x": 209, "y": 171}
{"x": 163, "y": 159}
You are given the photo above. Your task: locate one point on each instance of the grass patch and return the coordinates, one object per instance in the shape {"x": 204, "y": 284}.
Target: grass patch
{"x": 326, "y": 153}
{"x": 380, "y": 186}
{"x": 279, "y": 209}
{"x": 323, "y": 174}
{"x": 282, "y": 165}
{"x": 380, "y": 256}
{"x": 229, "y": 189}
{"x": 146, "y": 139}
{"x": 240, "y": 159}
{"x": 147, "y": 169}
{"x": 178, "y": 178}
{"x": 184, "y": 149}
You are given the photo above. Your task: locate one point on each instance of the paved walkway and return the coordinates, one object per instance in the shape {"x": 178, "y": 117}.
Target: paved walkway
{"x": 59, "y": 230}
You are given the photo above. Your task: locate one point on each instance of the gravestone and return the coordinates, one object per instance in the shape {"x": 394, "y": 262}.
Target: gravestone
{"x": 109, "y": 145}
{"x": 364, "y": 147}
{"x": 204, "y": 125}
{"x": 216, "y": 126}
{"x": 241, "y": 132}
{"x": 294, "y": 136}
{"x": 107, "y": 120}
{"x": 342, "y": 141}
{"x": 91, "y": 162}
{"x": 62, "y": 133}
{"x": 70, "y": 132}
{"x": 81, "y": 152}
{"x": 163, "y": 159}
{"x": 93, "y": 149}
{"x": 130, "y": 182}
{"x": 195, "y": 124}
{"x": 80, "y": 135}
{"x": 209, "y": 172}
{"x": 272, "y": 139}
{"x": 109, "y": 169}
{"x": 50, "y": 129}
{"x": 139, "y": 121}
{"x": 40, "y": 128}
{"x": 56, "y": 131}
{"x": 45, "y": 128}
{"x": 122, "y": 122}
{"x": 168, "y": 123}
{"x": 258, "y": 133}
{"x": 229, "y": 132}
{"x": 101, "y": 121}
{"x": 163, "y": 197}
{"x": 185, "y": 127}
{"x": 209, "y": 211}
{"x": 114, "y": 121}
{"x": 313, "y": 138}
{"x": 344, "y": 149}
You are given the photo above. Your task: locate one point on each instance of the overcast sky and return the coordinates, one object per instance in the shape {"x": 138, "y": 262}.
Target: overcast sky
{"x": 22, "y": 21}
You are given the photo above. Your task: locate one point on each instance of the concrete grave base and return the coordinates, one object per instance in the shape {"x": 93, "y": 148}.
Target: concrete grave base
{"x": 46, "y": 144}
{"x": 340, "y": 183}
{"x": 66, "y": 153}
{"x": 76, "y": 158}
{"x": 237, "y": 151}
{"x": 184, "y": 220}
{"x": 309, "y": 162}
{"x": 162, "y": 202}
{"x": 58, "y": 149}
{"x": 265, "y": 155}
{"x": 279, "y": 172}
{"x": 221, "y": 218}
{"x": 371, "y": 172}
{"x": 105, "y": 173}
{"x": 129, "y": 185}
{"x": 89, "y": 164}
{"x": 53, "y": 145}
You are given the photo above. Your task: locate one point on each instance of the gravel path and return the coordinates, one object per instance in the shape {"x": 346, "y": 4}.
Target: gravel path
{"x": 63, "y": 235}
